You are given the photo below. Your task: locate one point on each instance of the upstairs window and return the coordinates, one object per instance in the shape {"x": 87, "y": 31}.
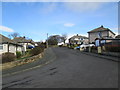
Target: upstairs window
{"x": 99, "y": 35}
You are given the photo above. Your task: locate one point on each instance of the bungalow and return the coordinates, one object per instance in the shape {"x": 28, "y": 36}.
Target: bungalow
{"x": 8, "y": 45}
{"x": 27, "y": 43}
{"x": 78, "y": 39}
{"x": 100, "y": 32}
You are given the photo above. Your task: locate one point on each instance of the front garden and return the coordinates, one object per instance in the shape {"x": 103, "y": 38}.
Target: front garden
{"x": 9, "y": 57}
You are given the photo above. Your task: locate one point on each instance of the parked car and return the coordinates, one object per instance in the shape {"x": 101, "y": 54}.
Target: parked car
{"x": 30, "y": 46}
{"x": 86, "y": 45}
{"x": 78, "y": 47}
{"x": 91, "y": 45}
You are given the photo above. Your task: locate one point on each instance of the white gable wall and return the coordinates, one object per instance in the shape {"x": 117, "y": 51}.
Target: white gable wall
{"x": 111, "y": 34}
{"x": 4, "y": 49}
{"x": 19, "y": 48}
{"x": 12, "y": 49}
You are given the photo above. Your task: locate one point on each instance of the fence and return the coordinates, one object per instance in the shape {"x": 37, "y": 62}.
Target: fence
{"x": 109, "y": 46}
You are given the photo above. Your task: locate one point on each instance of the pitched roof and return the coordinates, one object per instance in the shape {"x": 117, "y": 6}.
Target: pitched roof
{"x": 23, "y": 40}
{"x": 78, "y": 36}
{"x": 6, "y": 40}
{"x": 100, "y": 29}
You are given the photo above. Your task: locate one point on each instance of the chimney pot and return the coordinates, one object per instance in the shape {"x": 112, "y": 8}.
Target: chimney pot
{"x": 102, "y": 26}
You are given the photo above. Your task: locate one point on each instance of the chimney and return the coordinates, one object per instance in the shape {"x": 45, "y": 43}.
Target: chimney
{"x": 101, "y": 26}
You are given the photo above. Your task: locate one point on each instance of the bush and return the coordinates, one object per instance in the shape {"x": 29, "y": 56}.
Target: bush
{"x": 8, "y": 57}
{"x": 72, "y": 47}
{"x": 18, "y": 54}
{"x": 36, "y": 51}
{"x": 42, "y": 46}
{"x": 75, "y": 45}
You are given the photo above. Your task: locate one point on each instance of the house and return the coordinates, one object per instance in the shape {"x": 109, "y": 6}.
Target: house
{"x": 113, "y": 44}
{"x": 27, "y": 43}
{"x": 100, "y": 32}
{"x": 8, "y": 45}
{"x": 78, "y": 39}
{"x": 118, "y": 36}
{"x": 61, "y": 43}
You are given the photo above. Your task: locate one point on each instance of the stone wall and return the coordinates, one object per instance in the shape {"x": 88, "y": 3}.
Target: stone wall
{"x": 21, "y": 62}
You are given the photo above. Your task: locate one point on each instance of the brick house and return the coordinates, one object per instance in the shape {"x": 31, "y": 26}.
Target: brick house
{"x": 100, "y": 32}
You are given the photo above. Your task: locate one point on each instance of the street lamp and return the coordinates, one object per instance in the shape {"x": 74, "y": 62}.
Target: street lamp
{"x": 47, "y": 41}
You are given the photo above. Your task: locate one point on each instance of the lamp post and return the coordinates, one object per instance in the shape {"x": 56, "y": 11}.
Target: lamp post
{"x": 47, "y": 41}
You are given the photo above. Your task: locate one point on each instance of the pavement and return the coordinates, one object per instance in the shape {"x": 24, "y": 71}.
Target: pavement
{"x": 69, "y": 69}
{"x": 108, "y": 57}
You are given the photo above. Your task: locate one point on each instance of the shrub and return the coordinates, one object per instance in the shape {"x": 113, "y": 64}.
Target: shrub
{"x": 75, "y": 45}
{"x": 8, "y": 57}
{"x": 42, "y": 46}
{"x": 18, "y": 54}
{"x": 72, "y": 47}
{"x": 27, "y": 53}
{"x": 36, "y": 51}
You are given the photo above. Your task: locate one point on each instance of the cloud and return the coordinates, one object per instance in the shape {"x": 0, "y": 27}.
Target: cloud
{"x": 82, "y": 6}
{"x": 6, "y": 29}
{"x": 69, "y": 24}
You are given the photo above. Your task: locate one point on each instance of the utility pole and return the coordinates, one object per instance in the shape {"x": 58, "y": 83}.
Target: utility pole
{"x": 47, "y": 41}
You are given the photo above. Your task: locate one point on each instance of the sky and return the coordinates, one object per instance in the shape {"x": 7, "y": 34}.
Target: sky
{"x": 36, "y": 19}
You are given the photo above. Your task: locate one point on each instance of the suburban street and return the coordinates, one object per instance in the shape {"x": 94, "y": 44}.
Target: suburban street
{"x": 63, "y": 68}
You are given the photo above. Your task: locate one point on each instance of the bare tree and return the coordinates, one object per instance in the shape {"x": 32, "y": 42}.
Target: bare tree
{"x": 9, "y": 36}
{"x": 64, "y": 37}
{"x": 13, "y": 35}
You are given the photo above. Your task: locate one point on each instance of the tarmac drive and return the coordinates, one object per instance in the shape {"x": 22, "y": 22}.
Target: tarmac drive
{"x": 68, "y": 69}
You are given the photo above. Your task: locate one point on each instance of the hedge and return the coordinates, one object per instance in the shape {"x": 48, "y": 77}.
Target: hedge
{"x": 8, "y": 57}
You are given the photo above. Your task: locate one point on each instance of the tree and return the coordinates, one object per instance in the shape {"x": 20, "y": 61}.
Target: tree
{"x": 41, "y": 44}
{"x": 13, "y": 35}
{"x": 64, "y": 37}
{"x": 54, "y": 40}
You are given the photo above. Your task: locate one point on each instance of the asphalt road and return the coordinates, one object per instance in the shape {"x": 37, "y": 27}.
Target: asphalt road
{"x": 64, "y": 68}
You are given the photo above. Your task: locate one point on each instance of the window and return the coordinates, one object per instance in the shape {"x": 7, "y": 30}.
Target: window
{"x": 81, "y": 38}
{"x": 99, "y": 34}
{"x": 1, "y": 47}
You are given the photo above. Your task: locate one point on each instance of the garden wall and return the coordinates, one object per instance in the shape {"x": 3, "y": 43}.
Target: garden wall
{"x": 21, "y": 62}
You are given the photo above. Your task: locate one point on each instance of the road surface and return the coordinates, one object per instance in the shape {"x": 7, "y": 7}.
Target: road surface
{"x": 64, "y": 68}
